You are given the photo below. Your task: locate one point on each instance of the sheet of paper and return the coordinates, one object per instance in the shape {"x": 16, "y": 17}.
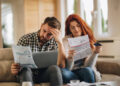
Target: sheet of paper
{"x": 23, "y": 56}
{"x": 88, "y": 84}
{"x": 81, "y": 46}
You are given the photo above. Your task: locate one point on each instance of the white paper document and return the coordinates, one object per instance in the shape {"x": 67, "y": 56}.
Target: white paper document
{"x": 76, "y": 83}
{"x": 23, "y": 56}
{"x": 81, "y": 46}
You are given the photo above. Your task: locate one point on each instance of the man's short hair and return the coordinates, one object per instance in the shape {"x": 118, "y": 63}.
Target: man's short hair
{"x": 52, "y": 22}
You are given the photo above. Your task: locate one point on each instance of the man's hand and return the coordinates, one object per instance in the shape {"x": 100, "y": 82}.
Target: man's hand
{"x": 57, "y": 35}
{"x": 15, "y": 68}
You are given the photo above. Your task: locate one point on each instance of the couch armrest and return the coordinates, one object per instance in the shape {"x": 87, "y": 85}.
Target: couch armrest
{"x": 6, "y": 59}
{"x": 108, "y": 67}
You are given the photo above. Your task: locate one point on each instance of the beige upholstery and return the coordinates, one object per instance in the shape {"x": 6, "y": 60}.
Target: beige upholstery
{"x": 110, "y": 70}
{"x": 9, "y": 84}
{"x": 110, "y": 77}
{"x": 109, "y": 67}
{"x": 6, "y": 58}
{"x": 17, "y": 84}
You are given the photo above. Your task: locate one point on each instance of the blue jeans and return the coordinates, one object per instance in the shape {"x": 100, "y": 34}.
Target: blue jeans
{"x": 83, "y": 74}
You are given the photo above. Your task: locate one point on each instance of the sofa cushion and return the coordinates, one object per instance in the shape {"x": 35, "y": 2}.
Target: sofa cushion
{"x": 6, "y": 59}
{"x": 110, "y": 77}
{"x": 109, "y": 67}
{"x": 9, "y": 84}
{"x": 17, "y": 84}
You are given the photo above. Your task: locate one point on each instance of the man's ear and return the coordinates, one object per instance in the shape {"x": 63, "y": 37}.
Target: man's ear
{"x": 41, "y": 26}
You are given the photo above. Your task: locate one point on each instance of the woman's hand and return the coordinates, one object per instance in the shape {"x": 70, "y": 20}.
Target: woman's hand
{"x": 98, "y": 49}
{"x": 71, "y": 54}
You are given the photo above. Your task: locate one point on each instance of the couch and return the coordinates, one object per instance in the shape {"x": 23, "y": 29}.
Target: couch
{"x": 110, "y": 69}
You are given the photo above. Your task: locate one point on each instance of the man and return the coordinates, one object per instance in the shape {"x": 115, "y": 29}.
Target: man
{"x": 46, "y": 39}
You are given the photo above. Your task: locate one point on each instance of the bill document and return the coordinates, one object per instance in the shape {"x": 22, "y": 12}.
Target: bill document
{"x": 81, "y": 45}
{"x": 23, "y": 56}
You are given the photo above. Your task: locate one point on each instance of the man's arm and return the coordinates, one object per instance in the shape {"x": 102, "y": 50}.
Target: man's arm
{"x": 23, "y": 41}
{"x": 61, "y": 51}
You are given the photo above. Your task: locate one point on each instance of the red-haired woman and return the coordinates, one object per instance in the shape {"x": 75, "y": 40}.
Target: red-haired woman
{"x": 84, "y": 69}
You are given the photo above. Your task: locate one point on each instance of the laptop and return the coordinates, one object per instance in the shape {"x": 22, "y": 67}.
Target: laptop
{"x": 45, "y": 59}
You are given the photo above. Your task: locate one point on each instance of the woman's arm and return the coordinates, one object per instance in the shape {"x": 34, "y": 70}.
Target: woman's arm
{"x": 61, "y": 56}
{"x": 91, "y": 61}
{"x": 70, "y": 60}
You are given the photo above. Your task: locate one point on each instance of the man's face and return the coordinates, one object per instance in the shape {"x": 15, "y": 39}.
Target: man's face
{"x": 45, "y": 34}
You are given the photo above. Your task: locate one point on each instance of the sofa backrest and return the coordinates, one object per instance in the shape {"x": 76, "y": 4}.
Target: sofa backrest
{"x": 6, "y": 59}
{"x": 109, "y": 67}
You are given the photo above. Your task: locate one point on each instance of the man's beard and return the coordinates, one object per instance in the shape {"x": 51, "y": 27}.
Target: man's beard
{"x": 43, "y": 40}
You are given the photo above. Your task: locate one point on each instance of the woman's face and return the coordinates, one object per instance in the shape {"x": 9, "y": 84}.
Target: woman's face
{"x": 75, "y": 29}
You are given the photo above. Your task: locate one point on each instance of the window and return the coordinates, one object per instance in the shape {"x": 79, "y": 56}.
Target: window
{"x": 70, "y": 6}
{"x": 94, "y": 12}
{"x": 104, "y": 15}
{"x": 7, "y": 25}
{"x": 88, "y": 12}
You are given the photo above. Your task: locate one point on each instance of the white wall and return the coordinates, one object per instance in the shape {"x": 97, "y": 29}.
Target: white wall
{"x": 112, "y": 48}
{"x": 114, "y": 18}
{"x": 18, "y": 19}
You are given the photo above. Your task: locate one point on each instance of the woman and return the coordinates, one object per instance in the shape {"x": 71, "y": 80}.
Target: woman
{"x": 85, "y": 71}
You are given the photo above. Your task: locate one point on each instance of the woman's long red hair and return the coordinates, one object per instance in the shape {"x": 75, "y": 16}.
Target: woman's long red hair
{"x": 86, "y": 30}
